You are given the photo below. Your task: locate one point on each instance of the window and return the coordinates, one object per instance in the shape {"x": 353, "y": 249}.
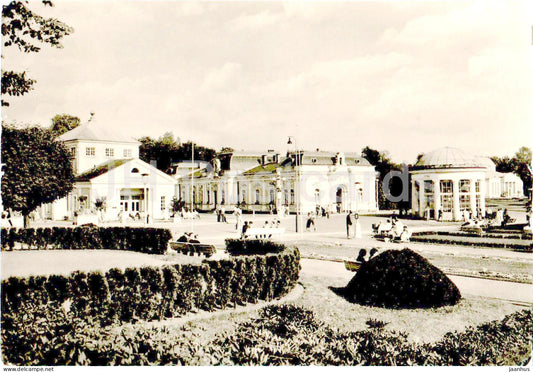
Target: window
{"x": 446, "y": 186}
{"x": 163, "y": 203}
{"x": 73, "y": 152}
{"x": 428, "y": 187}
{"x": 257, "y": 196}
{"x": 272, "y": 196}
{"x": 292, "y": 196}
{"x": 464, "y": 202}
{"x": 478, "y": 186}
{"x": 109, "y": 152}
{"x": 446, "y": 202}
{"x": 464, "y": 186}
{"x": 127, "y": 153}
{"x": 90, "y": 151}
{"x": 135, "y": 170}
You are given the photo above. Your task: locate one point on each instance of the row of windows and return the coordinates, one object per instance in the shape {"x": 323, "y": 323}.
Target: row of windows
{"x": 446, "y": 186}
{"x": 109, "y": 152}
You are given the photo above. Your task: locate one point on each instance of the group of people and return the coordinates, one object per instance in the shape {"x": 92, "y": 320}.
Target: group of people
{"x": 188, "y": 237}
{"x": 393, "y": 229}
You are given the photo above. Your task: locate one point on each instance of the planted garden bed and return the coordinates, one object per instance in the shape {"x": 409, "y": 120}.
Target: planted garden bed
{"x": 472, "y": 240}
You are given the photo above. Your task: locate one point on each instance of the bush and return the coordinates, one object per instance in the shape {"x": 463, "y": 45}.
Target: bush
{"x": 145, "y": 240}
{"x": 401, "y": 279}
{"x": 237, "y": 247}
{"x": 136, "y": 294}
{"x": 279, "y": 335}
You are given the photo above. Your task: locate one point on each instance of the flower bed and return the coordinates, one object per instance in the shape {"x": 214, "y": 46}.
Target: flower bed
{"x": 468, "y": 239}
{"x": 280, "y": 335}
{"x": 145, "y": 240}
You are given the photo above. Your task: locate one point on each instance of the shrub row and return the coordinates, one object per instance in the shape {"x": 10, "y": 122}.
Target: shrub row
{"x": 506, "y": 235}
{"x": 147, "y": 293}
{"x": 236, "y": 247}
{"x": 523, "y": 247}
{"x": 280, "y": 335}
{"x": 146, "y": 240}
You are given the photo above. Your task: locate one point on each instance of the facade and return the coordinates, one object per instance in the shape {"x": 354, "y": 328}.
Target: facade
{"x": 108, "y": 169}
{"x": 304, "y": 181}
{"x": 450, "y": 181}
{"x": 501, "y": 185}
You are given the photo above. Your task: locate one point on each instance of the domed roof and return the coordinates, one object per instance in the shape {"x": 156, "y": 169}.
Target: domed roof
{"x": 449, "y": 157}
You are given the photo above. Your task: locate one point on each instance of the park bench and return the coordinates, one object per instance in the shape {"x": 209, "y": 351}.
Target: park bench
{"x": 263, "y": 232}
{"x": 193, "y": 248}
{"x": 352, "y": 265}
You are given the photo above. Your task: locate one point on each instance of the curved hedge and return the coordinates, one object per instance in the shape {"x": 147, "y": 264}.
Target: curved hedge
{"x": 138, "y": 239}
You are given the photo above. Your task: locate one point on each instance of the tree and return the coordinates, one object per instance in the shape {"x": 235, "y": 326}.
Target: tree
{"x": 38, "y": 169}
{"x": 26, "y": 30}
{"x": 63, "y": 123}
{"x": 165, "y": 150}
{"x": 384, "y": 165}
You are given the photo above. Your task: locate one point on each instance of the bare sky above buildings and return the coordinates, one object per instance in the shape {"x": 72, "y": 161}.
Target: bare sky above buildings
{"x": 407, "y": 77}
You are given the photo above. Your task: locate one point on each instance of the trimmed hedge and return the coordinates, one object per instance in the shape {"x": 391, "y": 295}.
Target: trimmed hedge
{"x": 279, "y": 335}
{"x": 146, "y": 293}
{"x": 138, "y": 239}
{"x": 237, "y": 247}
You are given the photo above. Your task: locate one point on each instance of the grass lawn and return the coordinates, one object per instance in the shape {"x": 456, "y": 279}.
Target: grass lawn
{"x": 421, "y": 325}
{"x": 27, "y": 263}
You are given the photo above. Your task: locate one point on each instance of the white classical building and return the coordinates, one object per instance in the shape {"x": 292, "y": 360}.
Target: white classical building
{"x": 107, "y": 168}
{"x": 501, "y": 185}
{"x": 451, "y": 181}
{"x": 305, "y": 181}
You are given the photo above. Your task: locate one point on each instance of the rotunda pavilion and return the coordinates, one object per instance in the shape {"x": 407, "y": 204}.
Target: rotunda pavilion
{"x": 450, "y": 181}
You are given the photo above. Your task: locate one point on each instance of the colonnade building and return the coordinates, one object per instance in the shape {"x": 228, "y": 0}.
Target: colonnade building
{"x": 447, "y": 182}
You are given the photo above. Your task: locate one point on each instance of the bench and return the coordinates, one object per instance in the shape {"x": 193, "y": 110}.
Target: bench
{"x": 263, "y": 232}
{"x": 352, "y": 265}
{"x": 191, "y": 248}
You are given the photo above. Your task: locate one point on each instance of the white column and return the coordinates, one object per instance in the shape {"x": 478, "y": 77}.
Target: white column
{"x": 436, "y": 197}
{"x": 414, "y": 196}
{"x": 473, "y": 206}
{"x": 421, "y": 198}
{"x": 456, "y": 210}
{"x": 482, "y": 195}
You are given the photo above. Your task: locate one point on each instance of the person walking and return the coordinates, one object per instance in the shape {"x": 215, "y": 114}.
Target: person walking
{"x": 349, "y": 224}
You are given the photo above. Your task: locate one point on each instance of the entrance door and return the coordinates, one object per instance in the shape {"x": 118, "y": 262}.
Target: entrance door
{"x": 340, "y": 206}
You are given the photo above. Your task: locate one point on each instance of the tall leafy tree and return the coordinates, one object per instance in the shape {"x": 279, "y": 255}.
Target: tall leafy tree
{"x": 37, "y": 169}
{"x": 27, "y": 31}
{"x": 63, "y": 123}
{"x": 166, "y": 149}
{"x": 384, "y": 165}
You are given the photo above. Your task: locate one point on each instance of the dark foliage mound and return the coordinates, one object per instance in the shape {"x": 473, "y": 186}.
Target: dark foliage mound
{"x": 401, "y": 279}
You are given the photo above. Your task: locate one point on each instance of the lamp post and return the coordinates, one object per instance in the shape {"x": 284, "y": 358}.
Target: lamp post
{"x": 145, "y": 190}
{"x": 297, "y": 191}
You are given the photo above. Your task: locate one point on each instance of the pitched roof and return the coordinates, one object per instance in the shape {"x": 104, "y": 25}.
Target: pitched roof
{"x": 96, "y": 131}
{"x": 101, "y": 169}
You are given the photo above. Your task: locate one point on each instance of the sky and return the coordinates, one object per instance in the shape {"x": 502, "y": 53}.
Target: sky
{"x": 404, "y": 77}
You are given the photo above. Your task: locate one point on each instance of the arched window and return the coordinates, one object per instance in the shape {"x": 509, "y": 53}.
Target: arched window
{"x": 257, "y": 196}
{"x": 135, "y": 170}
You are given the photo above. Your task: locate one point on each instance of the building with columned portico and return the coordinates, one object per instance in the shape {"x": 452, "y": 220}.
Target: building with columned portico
{"x": 448, "y": 180}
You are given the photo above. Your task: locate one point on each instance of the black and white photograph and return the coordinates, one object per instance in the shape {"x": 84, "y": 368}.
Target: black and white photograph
{"x": 266, "y": 183}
